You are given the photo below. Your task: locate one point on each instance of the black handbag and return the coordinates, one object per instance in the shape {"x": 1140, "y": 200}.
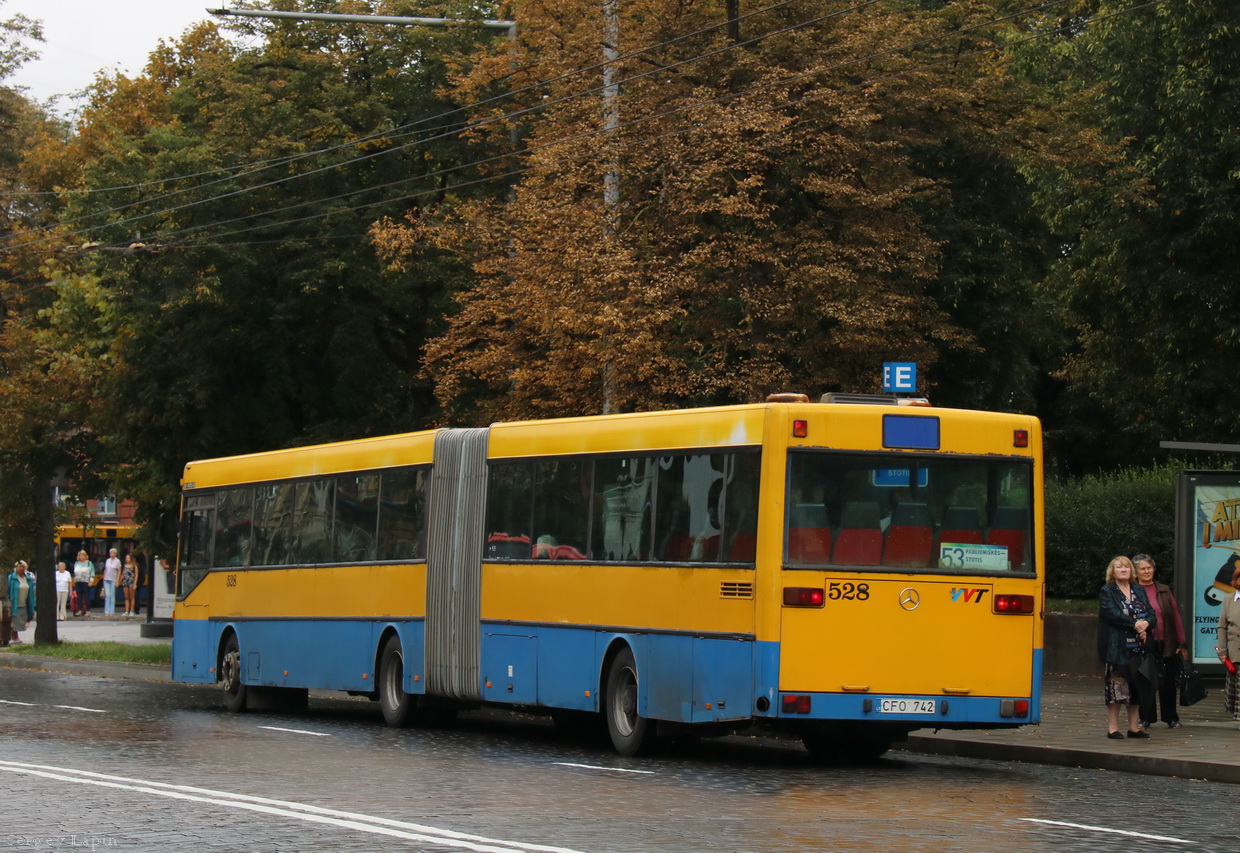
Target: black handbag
{"x": 1192, "y": 688}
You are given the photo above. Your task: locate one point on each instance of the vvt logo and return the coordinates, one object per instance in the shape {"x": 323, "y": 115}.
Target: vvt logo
{"x": 967, "y": 595}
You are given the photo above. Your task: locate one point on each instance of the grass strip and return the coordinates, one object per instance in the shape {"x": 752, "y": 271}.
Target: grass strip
{"x": 155, "y": 653}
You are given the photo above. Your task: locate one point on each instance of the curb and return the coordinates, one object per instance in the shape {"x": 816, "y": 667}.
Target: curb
{"x": 111, "y": 669}
{"x": 1184, "y": 768}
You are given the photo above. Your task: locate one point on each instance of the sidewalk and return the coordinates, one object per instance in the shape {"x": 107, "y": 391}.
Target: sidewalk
{"x": 1072, "y": 733}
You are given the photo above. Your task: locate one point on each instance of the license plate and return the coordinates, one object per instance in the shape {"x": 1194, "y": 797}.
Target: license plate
{"x": 907, "y": 706}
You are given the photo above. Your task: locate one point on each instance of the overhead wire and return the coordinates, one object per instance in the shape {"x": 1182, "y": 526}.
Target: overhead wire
{"x": 568, "y": 140}
{"x": 401, "y": 131}
{"x": 602, "y": 131}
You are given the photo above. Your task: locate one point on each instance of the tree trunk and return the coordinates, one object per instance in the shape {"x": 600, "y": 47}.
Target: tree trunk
{"x": 43, "y": 564}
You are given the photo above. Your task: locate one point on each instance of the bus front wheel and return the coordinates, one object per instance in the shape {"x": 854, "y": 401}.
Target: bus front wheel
{"x": 630, "y": 732}
{"x": 396, "y": 704}
{"x": 235, "y": 693}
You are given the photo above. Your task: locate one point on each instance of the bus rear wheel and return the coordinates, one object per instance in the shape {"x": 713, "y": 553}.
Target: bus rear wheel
{"x": 630, "y": 732}
{"x": 235, "y": 693}
{"x": 397, "y": 705}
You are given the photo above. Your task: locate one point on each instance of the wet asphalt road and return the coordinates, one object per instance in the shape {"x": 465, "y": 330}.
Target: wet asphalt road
{"x": 99, "y": 763}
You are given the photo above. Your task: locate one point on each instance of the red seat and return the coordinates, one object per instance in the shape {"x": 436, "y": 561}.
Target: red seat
{"x": 960, "y": 524}
{"x": 1008, "y": 531}
{"x": 744, "y": 546}
{"x": 860, "y": 540}
{"x": 809, "y": 545}
{"x": 678, "y": 549}
{"x": 910, "y": 538}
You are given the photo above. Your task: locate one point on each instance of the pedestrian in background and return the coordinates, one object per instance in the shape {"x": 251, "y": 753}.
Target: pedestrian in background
{"x": 129, "y": 584}
{"x": 1167, "y": 641}
{"x": 111, "y": 574}
{"x": 1227, "y": 649}
{"x": 1125, "y": 619}
{"x": 83, "y": 580}
{"x": 63, "y": 582}
{"x": 21, "y": 593}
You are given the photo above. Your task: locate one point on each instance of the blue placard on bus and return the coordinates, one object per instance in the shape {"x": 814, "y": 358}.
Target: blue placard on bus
{"x": 900, "y": 377}
{"x": 894, "y": 477}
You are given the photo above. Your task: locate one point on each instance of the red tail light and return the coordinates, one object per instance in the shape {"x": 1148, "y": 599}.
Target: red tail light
{"x": 795, "y": 704}
{"x": 804, "y": 596}
{"x": 800, "y": 428}
{"x": 1020, "y": 438}
{"x": 1013, "y": 604}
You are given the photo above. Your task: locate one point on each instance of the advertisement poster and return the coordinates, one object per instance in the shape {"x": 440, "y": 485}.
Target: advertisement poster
{"x": 1214, "y": 508}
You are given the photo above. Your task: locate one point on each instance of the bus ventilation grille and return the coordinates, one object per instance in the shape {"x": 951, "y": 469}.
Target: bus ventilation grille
{"x": 736, "y": 589}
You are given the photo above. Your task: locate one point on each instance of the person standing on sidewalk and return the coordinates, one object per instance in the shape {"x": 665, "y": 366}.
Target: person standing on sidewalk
{"x": 1167, "y": 643}
{"x": 1125, "y": 620}
{"x": 21, "y": 593}
{"x": 63, "y": 582}
{"x": 1227, "y": 649}
{"x": 129, "y": 584}
{"x": 111, "y": 574}
{"x": 83, "y": 580}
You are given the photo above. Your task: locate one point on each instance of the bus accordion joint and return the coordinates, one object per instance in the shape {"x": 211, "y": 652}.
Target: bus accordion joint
{"x": 1013, "y": 604}
{"x": 804, "y": 596}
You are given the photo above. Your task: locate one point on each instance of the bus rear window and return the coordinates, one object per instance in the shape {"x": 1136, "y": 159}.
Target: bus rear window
{"x": 909, "y": 512}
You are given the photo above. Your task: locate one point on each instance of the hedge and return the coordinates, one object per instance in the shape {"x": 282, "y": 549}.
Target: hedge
{"x": 1094, "y": 518}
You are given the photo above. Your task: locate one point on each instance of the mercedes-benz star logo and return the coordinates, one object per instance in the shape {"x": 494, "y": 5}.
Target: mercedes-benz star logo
{"x": 909, "y": 598}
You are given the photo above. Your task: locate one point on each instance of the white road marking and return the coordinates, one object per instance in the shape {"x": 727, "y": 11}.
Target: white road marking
{"x": 1166, "y": 838}
{"x": 79, "y": 708}
{"x": 295, "y": 731}
{"x": 286, "y": 809}
{"x": 598, "y": 767}
{"x": 38, "y": 705}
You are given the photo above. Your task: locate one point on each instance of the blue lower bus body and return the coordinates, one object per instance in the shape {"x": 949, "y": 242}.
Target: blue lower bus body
{"x": 684, "y": 678}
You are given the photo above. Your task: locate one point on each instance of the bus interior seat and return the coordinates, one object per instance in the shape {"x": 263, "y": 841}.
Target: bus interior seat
{"x": 744, "y": 547}
{"x": 1007, "y": 529}
{"x": 910, "y": 537}
{"x": 678, "y": 548}
{"x": 809, "y": 535}
{"x": 961, "y": 524}
{"x": 809, "y": 545}
{"x": 502, "y": 546}
{"x": 860, "y": 539}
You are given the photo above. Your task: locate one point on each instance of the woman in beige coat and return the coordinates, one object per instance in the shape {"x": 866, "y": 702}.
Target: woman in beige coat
{"x": 1228, "y": 648}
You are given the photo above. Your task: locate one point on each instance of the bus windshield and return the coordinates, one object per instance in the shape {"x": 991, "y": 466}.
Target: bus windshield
{"x": 954, "y": 514}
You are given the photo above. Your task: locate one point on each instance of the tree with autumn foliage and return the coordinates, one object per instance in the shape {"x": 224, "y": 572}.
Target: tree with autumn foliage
{"x": 745, "y": 212}
{"x": 225, "y": 196}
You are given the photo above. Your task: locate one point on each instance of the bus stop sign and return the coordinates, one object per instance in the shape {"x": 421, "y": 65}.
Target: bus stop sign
{"x": 900, "y": 377}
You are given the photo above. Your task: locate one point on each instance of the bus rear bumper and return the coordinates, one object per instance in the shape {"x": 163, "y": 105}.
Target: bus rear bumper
{"x": 906, "y": 709}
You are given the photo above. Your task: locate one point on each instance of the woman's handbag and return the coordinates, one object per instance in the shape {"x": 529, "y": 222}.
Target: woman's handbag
{"x": 1192, "y": 688}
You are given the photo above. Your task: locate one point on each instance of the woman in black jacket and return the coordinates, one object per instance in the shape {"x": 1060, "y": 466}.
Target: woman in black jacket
{"x": 1125, "y": 619}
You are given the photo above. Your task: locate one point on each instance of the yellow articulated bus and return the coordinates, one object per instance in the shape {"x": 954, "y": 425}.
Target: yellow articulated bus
{"x": 847, "y": 570}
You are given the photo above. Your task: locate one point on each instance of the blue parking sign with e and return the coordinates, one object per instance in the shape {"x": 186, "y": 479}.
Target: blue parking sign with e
{"x": 899, "y": 377}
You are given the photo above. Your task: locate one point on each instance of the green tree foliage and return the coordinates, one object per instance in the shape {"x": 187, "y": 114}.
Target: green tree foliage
{"x": 227, "y": 192}
{"x": 1147, "y": 272}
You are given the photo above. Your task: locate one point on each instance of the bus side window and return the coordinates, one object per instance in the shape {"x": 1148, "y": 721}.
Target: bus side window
{"x": 561, "y": 509}
{"x": 622, "y": 504}
{"x": 510, "y": 509}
